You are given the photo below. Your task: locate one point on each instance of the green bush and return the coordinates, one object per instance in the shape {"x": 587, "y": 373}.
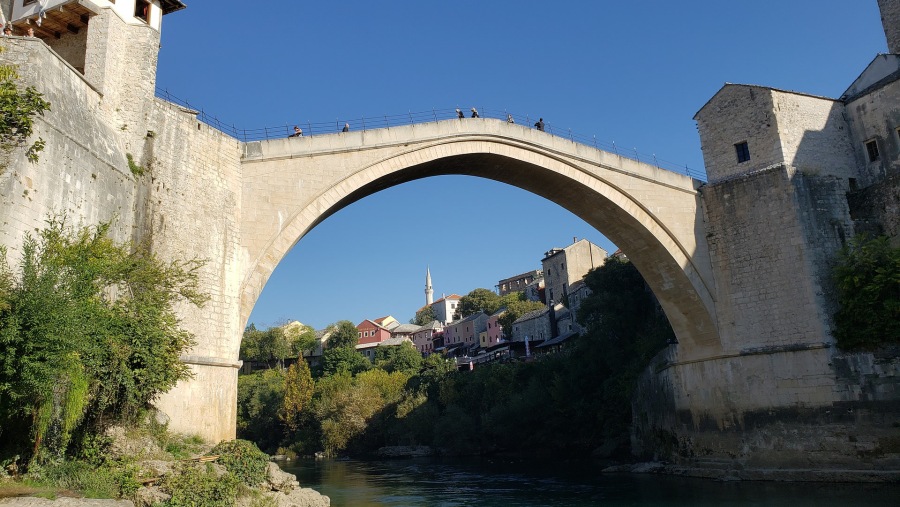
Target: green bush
{"x": 198, "y": 485}
{"x": 111, "y": 480}
{"x": 72, "y": 357}
{"x": 867, "y": 278}
{"x": 243, "y": 459}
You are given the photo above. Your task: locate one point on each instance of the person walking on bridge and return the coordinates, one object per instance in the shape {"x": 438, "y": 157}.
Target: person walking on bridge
{"x": 475, "y": 113}
{"x": 346, "y": 128}
{"x": 539, "y": 125}
{"x": 460, "y": 114}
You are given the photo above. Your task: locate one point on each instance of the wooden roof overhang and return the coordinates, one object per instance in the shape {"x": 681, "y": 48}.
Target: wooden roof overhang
{"x": 71, "y": 17}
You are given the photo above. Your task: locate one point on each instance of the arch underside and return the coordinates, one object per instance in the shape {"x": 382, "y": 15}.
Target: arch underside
{"x": 666, "y": 264}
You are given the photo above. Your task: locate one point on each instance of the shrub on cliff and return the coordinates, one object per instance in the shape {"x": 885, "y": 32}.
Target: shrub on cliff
{"x": 867, "y": 278}
{"x": 88, "y": 334}
{"x": 18, "y": 108}
{"x": 244, "y": 460}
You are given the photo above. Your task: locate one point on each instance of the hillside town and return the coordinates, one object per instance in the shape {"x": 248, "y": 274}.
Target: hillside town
{"x": 557, "y": 289}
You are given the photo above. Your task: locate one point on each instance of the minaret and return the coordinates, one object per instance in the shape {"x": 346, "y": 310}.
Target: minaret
{"x": 429, "y": 293}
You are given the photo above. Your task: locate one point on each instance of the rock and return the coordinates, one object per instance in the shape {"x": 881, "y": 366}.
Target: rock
{"x": 302, "y": 497}
{"x": 155, "y": 468}
{"x": 651, "y": 467}
{"x": 145, "y": 497}
{"x": 64, "y": 502}
{"x": 279, "y": 480}
{"x": 122, "y": 445}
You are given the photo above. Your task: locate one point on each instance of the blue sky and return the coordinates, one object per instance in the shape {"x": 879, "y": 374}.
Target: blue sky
{"x": 630, "y": 72}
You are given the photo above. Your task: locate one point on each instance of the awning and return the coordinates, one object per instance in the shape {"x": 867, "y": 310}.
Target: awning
{"x": 559, "y": 339}
{"x": 71, "y": 17}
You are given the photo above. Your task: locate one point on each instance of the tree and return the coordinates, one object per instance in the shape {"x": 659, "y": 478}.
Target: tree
{"x": 17, "y": 111}
{"x": 424, "y": 316}
{"x": 301, "y": 338}
{"x": 867, "y": 277}
{"x": 343, "y": 334}
{"x": 343, "y": 359}
{"x": 260, "y": 397}
{"x": 403, "y": 358}
{"x": 514, "y": 310}
{"x": 298, "y": 392}
{"x": 88, "y": 332}
{"x": 479, "y": 300}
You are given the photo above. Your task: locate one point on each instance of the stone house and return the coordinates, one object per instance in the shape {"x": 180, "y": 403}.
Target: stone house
{"x": 565, "y": 266}
{"x": 517, "y": 283}
{"x": 533, "y": 326}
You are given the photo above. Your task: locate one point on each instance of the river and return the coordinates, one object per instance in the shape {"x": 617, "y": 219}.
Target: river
{"x": 447, "y": 482}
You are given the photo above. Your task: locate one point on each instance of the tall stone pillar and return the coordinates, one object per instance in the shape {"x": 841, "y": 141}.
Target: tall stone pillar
{"x": 890, "y": 20}
{"x": 120, "y": 61}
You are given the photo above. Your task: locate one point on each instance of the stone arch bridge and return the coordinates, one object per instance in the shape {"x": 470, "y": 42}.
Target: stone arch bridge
{"x": 740, "y": 265}
{"x": 290, "y": 185}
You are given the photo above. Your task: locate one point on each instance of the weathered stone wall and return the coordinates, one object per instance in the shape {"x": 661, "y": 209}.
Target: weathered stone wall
{"x": 876, "y": 116}
{"x": 769, "y": 291}
{"x": 192, "y": 210}
{"x": 121, "y": 62}
{"x": 190, "y": 190}
{"x": 71, "y": 47}
{"x": 813, "y": 134}
{"x": 81, "y": 172}
{"x": 779, "y": 127}
{"x": 812, "y": 408}
{"x": 781, "y": 395}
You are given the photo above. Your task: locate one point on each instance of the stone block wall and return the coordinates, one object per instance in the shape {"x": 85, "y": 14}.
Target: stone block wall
{"x": 772, "y": 235}
{"x": 190, "y": 208}
{"x": 81, "y": 172}
{"x": 779, "y": 128}
{"x": 120, "y": 61}
{"x": 804, "y": 409}
{"x": 876, "y": 116}
{"x": 71, "y": 48}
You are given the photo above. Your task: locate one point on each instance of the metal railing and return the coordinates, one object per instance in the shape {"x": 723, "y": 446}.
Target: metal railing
{"x": 413, "y": 117}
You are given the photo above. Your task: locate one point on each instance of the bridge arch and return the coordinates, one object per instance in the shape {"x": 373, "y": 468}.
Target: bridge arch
{"x": 654, "y": 216}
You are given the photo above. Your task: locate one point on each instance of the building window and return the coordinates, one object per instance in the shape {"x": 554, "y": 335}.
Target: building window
{"x": 142, "y": 10}
{"x": 872, "y": 150}
{"x": 743, "y": 152}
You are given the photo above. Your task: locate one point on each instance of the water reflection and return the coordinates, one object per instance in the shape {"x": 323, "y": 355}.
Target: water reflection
{"x": 446, "y": 482}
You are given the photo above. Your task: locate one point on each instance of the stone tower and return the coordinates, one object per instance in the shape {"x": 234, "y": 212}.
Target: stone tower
{"x": 429, "y": 292}
{"x": 113, "y": 44}
{"x": 890, "y": 20}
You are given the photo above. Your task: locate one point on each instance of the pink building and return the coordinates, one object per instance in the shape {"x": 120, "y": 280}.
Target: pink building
{"x": 423, "y": 337}
{"x": 494, "y": 329}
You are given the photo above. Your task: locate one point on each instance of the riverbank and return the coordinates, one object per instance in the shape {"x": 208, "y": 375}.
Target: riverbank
{"x": 146, "y": 467}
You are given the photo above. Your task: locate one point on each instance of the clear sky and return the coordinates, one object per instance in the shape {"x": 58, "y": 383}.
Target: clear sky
{"x": 630, "y": 72}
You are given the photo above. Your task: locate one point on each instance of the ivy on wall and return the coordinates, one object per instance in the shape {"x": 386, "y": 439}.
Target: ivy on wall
{"x": 867, "y": 278}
